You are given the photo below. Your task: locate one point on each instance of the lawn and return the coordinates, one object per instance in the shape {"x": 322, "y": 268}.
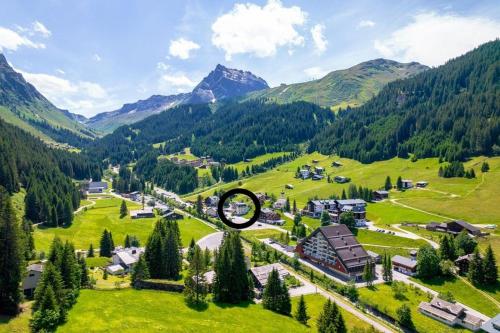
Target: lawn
{"x": 391, "y": 251}
{"x": 88, "y": 226}
{"x": 463, "y": 293}
{"x": 382, "y": 296}
{"x": 469, "y": 199}
{"x": 377, "y": 238}
{"x": 164, "y": 311}
{"x": 240, "y": 166}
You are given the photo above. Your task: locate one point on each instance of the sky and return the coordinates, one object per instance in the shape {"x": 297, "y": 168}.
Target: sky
{"x": 93, "y": 56}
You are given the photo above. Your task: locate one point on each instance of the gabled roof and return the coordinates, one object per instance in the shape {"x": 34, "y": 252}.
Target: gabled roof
{"x": 404, "y": 261}
{"x": 261, "y": 273}
{"x": 449, "y": 307}
{"x": 341, "y": 239}
{"x": 466, "y": 225}
{"x": 35, "y": 267}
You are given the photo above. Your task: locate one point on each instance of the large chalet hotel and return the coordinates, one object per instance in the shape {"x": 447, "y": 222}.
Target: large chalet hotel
{"x": 335, "y": 248}
{"x": 335, "y": 207}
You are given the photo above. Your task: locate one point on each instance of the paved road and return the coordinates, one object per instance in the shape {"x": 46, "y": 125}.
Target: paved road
{"x": 211, "y": 241}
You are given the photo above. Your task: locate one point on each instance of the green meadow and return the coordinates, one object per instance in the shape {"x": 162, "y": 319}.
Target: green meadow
{"x": 129, "y": 310}
{"x": 473, "y": 200}
{"x": 89, "y": 224}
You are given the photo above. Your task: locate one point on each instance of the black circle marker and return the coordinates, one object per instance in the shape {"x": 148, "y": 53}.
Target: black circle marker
{"x": 225, "y": 196}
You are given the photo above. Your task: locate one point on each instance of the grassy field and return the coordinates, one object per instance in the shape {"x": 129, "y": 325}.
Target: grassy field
{"x": 382, "y": 296}
{"x": 469, "y": 199}
{"x": 88, "y": 226}
{"x": 240, "y": 166}
{"x": 391, "y": 251}
{"x": 376, "y": 238}
{"x": 464, "y": 293}
{"x": 103, "y": 311}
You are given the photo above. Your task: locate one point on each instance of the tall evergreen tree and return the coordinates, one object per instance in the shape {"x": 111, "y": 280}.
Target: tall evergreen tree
{"x": 399, "y": 183}
{"x": 123, "y": 209}
{"x": 476, "y": 269}
{"x": 84, "y": 273}
{"x": 11, "y": 258}
{"x": 196, "y": 287}
{"x": 294, "y": 207}
{"x": 140, "y": 271}
{"x": 388, "y": 183}
{"x": 490, "y": 267}
{"x": 301, "y": 313}
{"x": 330, "y": 320}
{"x": 368, "y": 273}
{"x": 90, "y": 252}
{"x": 106, "y": 244}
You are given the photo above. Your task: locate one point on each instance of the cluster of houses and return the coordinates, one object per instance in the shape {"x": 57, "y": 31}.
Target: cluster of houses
{"x": 202, "y": 162}
{"x": 315, "y": 173}
{"x": 267, "y": 215}
{"x": 334, "y": 207}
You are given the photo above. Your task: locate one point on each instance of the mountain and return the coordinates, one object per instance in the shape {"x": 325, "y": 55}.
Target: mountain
{"x": 452, "y": 111}
{"x": 134, "y": 112}
{"x": 22, "y": 105}
{"x": 353, "y": 86}
{"x": 225, "y": 82}
{"x": 235, "y": 131}
{"x": 221, "y": 83}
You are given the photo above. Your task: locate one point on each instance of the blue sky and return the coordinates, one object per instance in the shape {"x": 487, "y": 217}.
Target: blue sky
{"x": 93, "y": 56}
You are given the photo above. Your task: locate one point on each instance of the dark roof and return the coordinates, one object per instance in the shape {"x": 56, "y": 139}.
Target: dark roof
{"x": 466, "y": 225}
{"x": 98, "y": 184}
{"x": 349, "y": 251}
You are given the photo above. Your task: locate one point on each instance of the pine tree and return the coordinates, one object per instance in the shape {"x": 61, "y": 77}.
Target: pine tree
{"x": 140, "y": 272}
{"x": 90, "y": 253}
{"x": 427, "y": 262}
{"x": 476, "y": 269}
{"x": 330, "y": 320}
{"x": 196, "y": 287}
{"x": 285, "y": 304}
{"x": 464, "y": 244}
{"x": 207, "y": 257}
{"x": 11, "y": 260}
{"x": 287, "y": 205}
{"x": 123, "y": 209}
{"x": 126, "y": 243}
{"x": 399, "y": 183}
{"x": 343, "y": 196}
{"x": 490, "y": 267}
{"x": 485, "y": 167}
{"x": 368, "y": 273}
{"x": 106, "y": 244}
{"x": 388, "y": 184}
{"x": 272, "y": 291}
{"x": 191, "y": 248}
{"x": 48, "y": 316}
{"x": 445, "y": 249}
{"x": 325, "y": 218}
{"x": 84, "y": 273}
{"x": 301, "y": 313}
{"x": 199, "y": 205}
{"x": 294, "y": 207}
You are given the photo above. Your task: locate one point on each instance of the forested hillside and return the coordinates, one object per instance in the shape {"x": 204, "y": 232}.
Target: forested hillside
{"x": 452, "y": 111}
{"x": 45, "y": 173}
{"x": 233, "y": 132}
{"x": 22, "y": 105}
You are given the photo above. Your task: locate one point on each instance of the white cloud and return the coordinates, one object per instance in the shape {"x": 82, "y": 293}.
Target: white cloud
{"x": 432, "y": 39}
{"x": 315, "y": 72}
{"x": 11, "y": 40}
{"x": 60, "y": 71}
{"x": 182, "y": 48}
{"x": 366, "y": 24}
{"x": 178, "y": 80}
{"x": 162, "y": 66}
{"x": 250, "y": 28}
{"x": 96, "y": 57}
{"x": 82, "y": 97}
{"x": 320, "y": 42}
{"x": 41, "y": 29}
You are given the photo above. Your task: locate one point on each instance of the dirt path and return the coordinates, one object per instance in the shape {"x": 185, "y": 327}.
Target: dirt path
{"x": 395, "y": 201}
{"x": 480, "y": 291}
{"x": 81, "y": 208}
{"x": 433, "y": 244}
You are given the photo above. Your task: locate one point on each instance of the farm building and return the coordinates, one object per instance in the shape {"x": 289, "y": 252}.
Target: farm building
{"x": 212, "y": 201}
{"x": 380, "y": 195}
{"x": 407, "y": 183}
{"x": 90, "y": 187}
{"x": 454, "y": 227}
{"x": 31, "y": 279}
{"x": 315, "y": 208}
{"x": 341, "y": 179}
{"x": 451, "y": 314}
{"x": 280, "y": 203}
{"x": 126, "y": 257}
{"x": 404, "y": 265}
{"x": 260, "y": 274}
{"x": 492, "y": 325}
{"x": 421, "y": 184}
{"x": 335, "y": 248}
{"x": 147, "y": 212}
{"x": 239, "y": 208}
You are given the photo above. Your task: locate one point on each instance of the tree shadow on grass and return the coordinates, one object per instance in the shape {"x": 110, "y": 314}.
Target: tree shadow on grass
{"x": 199, "y": 307}
{"x": 244, "y": 304}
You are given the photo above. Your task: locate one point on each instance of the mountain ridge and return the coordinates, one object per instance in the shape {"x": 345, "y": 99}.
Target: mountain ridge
{"x": 22, "y": 105}
{"x": 220, "y": 83}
